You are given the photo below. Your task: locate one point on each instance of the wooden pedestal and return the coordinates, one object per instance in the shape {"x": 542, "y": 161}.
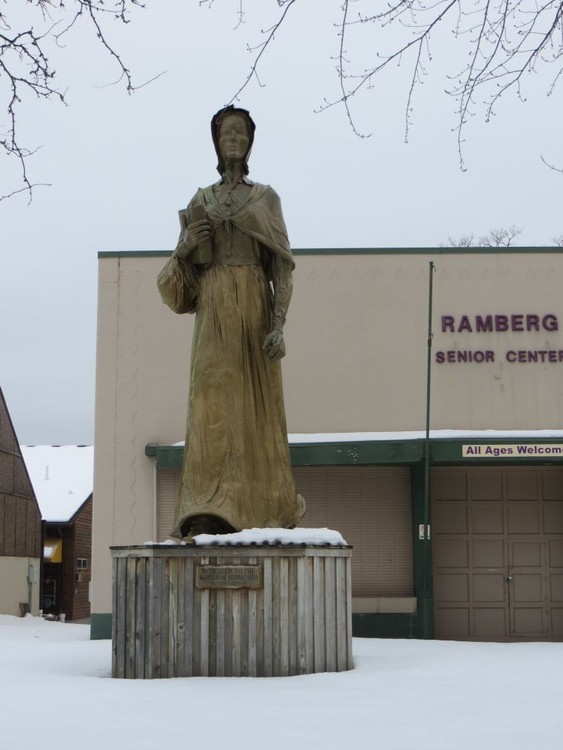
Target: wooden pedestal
{"x": 183, "y": 611}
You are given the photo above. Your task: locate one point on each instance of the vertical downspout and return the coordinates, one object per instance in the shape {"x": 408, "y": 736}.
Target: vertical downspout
{"x": 431, "y": 270}
{"x": 42, "y": 563}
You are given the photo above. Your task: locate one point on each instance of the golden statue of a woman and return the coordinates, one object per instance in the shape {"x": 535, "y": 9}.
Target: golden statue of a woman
{"x": 233, "y": 268}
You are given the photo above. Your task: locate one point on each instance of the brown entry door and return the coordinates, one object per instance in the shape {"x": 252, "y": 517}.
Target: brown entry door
{"x": 498, "y": 553}
{"x": 528, "y": 594}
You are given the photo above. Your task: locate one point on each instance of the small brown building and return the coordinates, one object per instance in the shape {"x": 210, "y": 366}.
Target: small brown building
{"x": 20, "y": 526}
{"x": 62, "y": 477}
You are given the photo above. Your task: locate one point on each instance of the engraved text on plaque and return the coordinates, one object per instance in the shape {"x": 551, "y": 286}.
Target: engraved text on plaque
{"x": 229, "y": 577}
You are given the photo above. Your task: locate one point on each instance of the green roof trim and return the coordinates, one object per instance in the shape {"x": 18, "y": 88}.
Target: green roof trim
{"x": 100, "y": 626}
{"x": 319, "y": 454}
{"x": 361, "y": 453}
{"x": 167, "y": 456}
{"x": 382, "y": 452}
{"x": 365, "y": 251}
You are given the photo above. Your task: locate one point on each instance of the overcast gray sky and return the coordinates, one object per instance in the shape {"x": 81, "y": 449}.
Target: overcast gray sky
{"x": 121, "y": 167}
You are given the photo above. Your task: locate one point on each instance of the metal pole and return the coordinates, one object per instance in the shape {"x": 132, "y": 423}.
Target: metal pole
{"x": 427, "y": 437}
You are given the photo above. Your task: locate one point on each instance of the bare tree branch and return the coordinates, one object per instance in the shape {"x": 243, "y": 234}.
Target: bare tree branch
{"x": 25, "y": 67}
{"x": 466, "y": 240}
{"x": 28, "y": 187}
{"x": 503, "y": 41}
{"x": 502, "y": 237}
{"x": 261, "y": 48}
{"x": 552, "y": 166}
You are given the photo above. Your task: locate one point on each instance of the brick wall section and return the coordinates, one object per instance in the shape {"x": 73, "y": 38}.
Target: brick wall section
{"x": 76, "y": 582}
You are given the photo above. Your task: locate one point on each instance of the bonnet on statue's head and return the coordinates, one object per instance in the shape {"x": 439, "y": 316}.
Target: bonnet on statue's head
{"x": 216, "y": 120}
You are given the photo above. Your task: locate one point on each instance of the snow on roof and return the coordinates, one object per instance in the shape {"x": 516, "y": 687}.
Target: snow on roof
{"x": 62, "y": 477}
{"x": 358, "y": 437}
{"x": 300, "y": 438}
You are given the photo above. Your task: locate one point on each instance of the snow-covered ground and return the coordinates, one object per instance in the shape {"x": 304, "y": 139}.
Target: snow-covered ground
{"x": 56, "y": 691}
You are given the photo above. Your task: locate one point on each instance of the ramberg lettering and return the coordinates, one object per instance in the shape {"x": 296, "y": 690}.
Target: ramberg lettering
{"x": 499, "y": 323}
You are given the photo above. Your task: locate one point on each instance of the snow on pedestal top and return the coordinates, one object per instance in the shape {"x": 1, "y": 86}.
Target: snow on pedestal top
{"x": 247, "y": 537}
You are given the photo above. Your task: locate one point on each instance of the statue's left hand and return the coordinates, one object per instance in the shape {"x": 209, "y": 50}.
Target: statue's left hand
{"x": 274, "y": 346}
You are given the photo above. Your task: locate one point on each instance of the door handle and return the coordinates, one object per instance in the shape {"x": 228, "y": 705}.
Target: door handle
{"x": 508, "y": 578}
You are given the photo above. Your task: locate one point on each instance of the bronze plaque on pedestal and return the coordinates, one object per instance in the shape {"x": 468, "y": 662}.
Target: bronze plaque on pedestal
{"x": 229, "y": 577}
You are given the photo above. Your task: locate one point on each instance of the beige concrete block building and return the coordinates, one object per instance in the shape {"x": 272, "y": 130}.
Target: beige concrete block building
{"x": 478, "y": 556}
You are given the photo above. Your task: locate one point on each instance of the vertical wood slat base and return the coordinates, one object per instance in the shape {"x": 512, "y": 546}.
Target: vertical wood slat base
{"x": 296, "y": 620}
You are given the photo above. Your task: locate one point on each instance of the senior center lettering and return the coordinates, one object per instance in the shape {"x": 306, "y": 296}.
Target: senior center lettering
{"x": 532, "y": 349}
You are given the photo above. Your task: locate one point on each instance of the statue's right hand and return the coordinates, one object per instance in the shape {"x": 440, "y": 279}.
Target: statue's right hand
{"x": 192, "y": 236}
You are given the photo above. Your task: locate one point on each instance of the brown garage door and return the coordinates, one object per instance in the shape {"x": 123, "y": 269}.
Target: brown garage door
{"x": 498, "y": 553}
{"x": 369, "y": 505}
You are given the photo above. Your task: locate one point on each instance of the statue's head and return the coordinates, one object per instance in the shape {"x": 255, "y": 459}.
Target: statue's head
{"x": 232, "y": 130}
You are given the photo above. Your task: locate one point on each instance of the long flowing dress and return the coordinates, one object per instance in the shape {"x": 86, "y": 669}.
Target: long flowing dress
{"x": 236, "y": 460}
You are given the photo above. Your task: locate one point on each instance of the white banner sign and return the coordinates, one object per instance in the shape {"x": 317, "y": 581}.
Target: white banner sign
{"x": 516, "y": 450}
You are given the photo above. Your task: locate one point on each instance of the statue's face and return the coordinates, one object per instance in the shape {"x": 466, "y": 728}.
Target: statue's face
{"x": 234, "y": 139}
